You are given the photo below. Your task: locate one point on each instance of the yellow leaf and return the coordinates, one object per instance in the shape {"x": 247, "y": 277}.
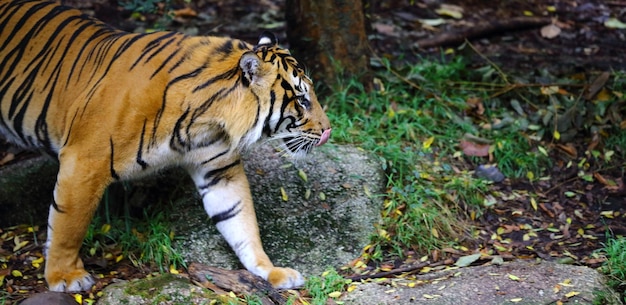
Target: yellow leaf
{"x": 391, "y": 113}
{"x": 533, "y": 203}
{"x": 19, "y": 244}
{"x": 434, "y": 232}
{"x": 38, "y": 261}
{"x": 119, "y": 258}
{"x": 428, "y": 142}
{"x": 105, "y": 228}
{"x": 516, "y": 300}
{"x": 351, "y": 288}
{"x": 321, "y": 195}
{"x": 607, "y": 214}
{"x": 557, "y": 135}
{"x": 513, "y": 277}
{"x": 16, "y": 273}
{"x": 283, "y": 194}
{"x": 302, "y": 175}
{"x": 551, "y": 8}
{"x": 431, "y": 296}
{"x": 79, "y": 298}
{"x": 173, "y": 270}
{"x": 334, "y": 294}
{"x": 530, "y": 175}
{"x": 572, "y": 294}
{"x": 1, "y": 279}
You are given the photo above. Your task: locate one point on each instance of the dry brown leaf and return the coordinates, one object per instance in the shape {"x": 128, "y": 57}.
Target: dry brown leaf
{"x": 597, "y": 85}
{"x": 569, "y": 149}
{"x": 477, "y": 104}
{"x": 474, "y": 149}
{"x": 186, "y": 12}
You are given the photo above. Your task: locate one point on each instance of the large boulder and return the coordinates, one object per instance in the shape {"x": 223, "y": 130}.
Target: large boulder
{"x": 313, "y": 213}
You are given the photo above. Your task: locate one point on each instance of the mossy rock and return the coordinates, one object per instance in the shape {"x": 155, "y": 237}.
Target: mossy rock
{"x": 164, "y": 289}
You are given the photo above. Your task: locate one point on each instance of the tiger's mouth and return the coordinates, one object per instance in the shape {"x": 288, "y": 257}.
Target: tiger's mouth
{"x": 304, "y": 143}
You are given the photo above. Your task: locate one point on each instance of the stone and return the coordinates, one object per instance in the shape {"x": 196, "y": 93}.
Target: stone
{"x": 539, "y": 282}
{"x": 313, "y": 213}
{"x": 50, "y": 298}
{"x": 166, "y": 289}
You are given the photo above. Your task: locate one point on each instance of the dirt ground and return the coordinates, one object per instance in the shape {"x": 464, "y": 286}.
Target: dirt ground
{"x": 508, "y": 33}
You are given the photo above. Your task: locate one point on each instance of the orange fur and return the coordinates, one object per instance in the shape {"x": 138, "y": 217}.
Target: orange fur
{"x": 115, "y": 106}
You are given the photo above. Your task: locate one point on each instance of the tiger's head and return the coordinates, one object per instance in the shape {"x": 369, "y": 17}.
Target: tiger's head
{"x": 295, "y": 115}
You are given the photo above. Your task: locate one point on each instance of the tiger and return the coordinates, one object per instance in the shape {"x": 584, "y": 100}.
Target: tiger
{"x": 116, "y": 106}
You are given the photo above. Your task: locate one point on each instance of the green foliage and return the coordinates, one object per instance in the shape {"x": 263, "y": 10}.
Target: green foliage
{"x": 145, "y": 241}
{"x": 416, "y": 118}
{"x": 144, "y": 6}
{"x": 615, "y": 269}
{"x": 320, "y": 287}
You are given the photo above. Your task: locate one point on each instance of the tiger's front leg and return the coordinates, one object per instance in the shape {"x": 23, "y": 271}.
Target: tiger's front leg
{"x": 79, "y": 186}
{"x": 226, "y": 197}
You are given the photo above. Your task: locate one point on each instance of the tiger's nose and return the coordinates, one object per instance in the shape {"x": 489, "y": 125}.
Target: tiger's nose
{"x": 325, "y": 136}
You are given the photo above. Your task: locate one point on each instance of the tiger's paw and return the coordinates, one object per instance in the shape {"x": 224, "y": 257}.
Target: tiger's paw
{"x": 78, "y": 280}
{"x": 285, "y": 278}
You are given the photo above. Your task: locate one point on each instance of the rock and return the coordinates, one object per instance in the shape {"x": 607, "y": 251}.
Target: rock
{"x": 50, "y": 298}
{"x": 330, "y": 228}
{"x": 27, "y": 186}
{"x": 540, "y": 282}
{"x": 166, "y": 289}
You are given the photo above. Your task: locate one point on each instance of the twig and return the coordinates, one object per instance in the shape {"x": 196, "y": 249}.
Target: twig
{"x": 482, "y": 29}
{"x": 393, "y": 271}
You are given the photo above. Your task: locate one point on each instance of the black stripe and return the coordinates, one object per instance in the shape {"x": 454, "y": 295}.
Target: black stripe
{"x": 214, "y": 157}
{"x": 157, "y": 119}
{"x": 228, "y": 214}
{"x": 56, "y": 207}
{"x": 113, "y": 172}
{"x": 165, "y": 62}
{"x": 226, "y": 75}
{"x": 177, "y": 142}
{"x": 216, "y": 175}
{"x": 153, "y": 45}
{"x": 140, "y": 160}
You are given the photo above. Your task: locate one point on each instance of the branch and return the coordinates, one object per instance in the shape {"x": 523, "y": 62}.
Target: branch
{"x": 482, "y": 29}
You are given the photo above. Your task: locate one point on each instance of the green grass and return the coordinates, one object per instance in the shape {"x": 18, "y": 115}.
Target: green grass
{"x": 415, "y": 123}
{"x": 614, "y": 269}
{"x": 322, "y": 287}
{"x": 146, "y": 240}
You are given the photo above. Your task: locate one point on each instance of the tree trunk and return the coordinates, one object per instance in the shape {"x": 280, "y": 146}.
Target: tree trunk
{"x": 329, "y": 37}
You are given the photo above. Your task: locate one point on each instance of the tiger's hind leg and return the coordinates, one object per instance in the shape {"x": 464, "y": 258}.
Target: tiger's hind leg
{"x": 80, "y": 184}
{"x": 226, "y": 197}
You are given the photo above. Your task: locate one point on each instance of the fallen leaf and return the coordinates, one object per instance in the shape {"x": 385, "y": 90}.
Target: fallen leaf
{"x": 283, "y": 194}
{"x": 514, "y": 277}
{"x": 302, "y": 175}
{"x": 572, "y": 294}
{"x": 614, "y": 23}
{"x": 334, "y": 294}
{"x": 516, "y": 300}
{"x": 474, "y": 149}
{"x": 597, "y": 85}
{"x": 450, "y": 10}
{"x": 428, "y": 142}
{"x": 467, "y": 260}
{"x": 185, "y": 12}
{"x": 550, "y": 31}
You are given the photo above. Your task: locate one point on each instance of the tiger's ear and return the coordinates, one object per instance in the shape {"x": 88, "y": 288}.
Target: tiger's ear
{"x": 267, "y": 38}
{"x": 250, "y": 64}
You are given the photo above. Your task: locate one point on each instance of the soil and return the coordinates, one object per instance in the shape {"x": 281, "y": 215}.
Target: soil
{"x": 574, "y": 213}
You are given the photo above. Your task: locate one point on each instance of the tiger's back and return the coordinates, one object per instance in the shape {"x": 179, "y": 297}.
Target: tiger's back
{"x": 114, "y": 105}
